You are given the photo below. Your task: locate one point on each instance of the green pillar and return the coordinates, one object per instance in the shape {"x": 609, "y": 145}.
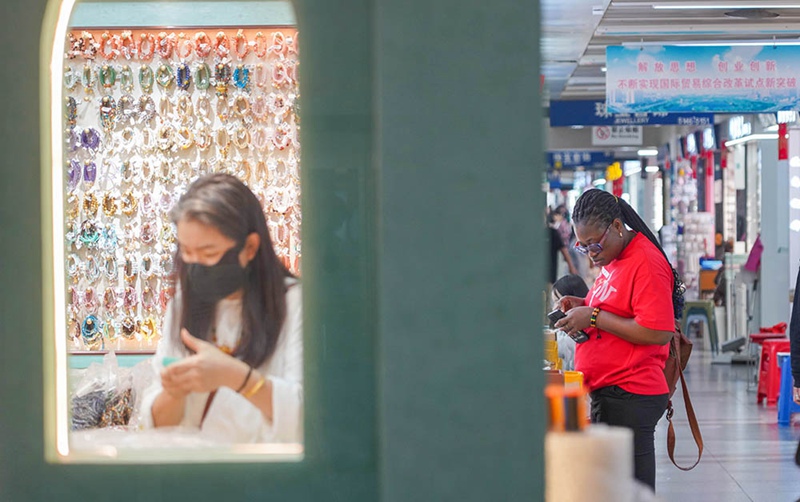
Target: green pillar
{"x": 460, "y": 263}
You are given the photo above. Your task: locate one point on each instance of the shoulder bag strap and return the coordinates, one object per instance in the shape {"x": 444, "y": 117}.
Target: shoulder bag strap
{"x": 698, "y": 438}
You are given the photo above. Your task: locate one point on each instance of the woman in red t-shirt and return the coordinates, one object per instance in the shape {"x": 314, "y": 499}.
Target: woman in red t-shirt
{"x": 629, "y": 315}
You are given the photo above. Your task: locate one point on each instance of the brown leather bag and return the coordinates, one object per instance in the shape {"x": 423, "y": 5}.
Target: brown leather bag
{"x": 680, "y": 348}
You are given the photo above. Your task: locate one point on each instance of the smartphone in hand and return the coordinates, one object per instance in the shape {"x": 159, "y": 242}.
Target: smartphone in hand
{"x": 557, "y": 314}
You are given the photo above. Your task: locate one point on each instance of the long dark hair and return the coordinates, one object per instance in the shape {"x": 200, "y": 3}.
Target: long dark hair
{"x": 225, "y": 203}
{"x": 600, "y": 208}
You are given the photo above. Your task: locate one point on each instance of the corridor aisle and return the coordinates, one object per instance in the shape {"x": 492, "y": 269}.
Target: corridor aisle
{"x": 747, "y": 456}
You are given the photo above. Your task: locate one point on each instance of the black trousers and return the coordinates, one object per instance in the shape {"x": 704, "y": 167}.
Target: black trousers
{"x": 614, "y": 406}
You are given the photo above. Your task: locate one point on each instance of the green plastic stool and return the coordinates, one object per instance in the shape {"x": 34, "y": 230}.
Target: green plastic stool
{"x": 704, "y": 308}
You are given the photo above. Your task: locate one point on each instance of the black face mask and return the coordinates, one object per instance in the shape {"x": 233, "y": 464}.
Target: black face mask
{"x": 208, "y": 284}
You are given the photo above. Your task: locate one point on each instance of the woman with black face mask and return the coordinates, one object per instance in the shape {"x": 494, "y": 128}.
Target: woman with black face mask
{"x": 234, "y": 326}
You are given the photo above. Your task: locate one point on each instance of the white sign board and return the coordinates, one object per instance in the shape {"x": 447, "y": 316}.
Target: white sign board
{"x": 617, "y": 135}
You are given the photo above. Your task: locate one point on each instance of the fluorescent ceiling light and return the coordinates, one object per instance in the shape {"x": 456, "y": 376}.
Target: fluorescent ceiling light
{"x": 647, "y": 152}
{"x": 751, "y": 137}
{"x": 717, "y": 43}
{"x": 604, "y": 69}
{"x": 728, "y": 6}
{"x": 599, "y": 181}
{"x": 651, "y": 169}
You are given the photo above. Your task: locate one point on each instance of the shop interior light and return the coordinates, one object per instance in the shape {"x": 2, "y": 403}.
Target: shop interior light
{"x": 795, "y": 226}
{"x": 751, "y": 137}
{"x": 647, "y": 152}
{"x": 794, "y": 203}
{"x": 717, "y": 43}
{"x": 727, "y": 6}
{"x": 772, "y": 128}
{"x": 651, "y": 169}
{"x": 599, "y": 181}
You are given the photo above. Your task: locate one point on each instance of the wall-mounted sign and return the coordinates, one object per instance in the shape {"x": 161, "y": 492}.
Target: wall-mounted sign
{"x": 572, "y": 159}
{"x": 726, "y": 79}
{"x": 594, "y": 113}
{"x": 617, "y": 135}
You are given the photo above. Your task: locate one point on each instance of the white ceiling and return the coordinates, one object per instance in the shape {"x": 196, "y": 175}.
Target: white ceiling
{"x": 575, "y": 33}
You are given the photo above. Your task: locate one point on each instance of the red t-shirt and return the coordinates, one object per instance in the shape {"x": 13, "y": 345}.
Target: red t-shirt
{"x": 638, "y": 284}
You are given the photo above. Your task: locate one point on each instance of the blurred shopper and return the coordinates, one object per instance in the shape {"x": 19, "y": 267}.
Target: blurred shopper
{"x": 568, "y": 285}
{"x": 629, "y": 315}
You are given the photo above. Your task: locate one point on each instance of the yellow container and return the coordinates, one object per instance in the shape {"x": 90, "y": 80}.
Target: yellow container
{"x": 551, "y": 354}
{"x": 573, "y": 379}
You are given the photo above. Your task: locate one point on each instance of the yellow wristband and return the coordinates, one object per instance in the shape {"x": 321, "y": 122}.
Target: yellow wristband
{"x": 252, "y": 392}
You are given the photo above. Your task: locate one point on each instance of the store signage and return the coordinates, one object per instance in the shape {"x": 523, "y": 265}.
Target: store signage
{"x": 724, "y": 79}
{"x": 594, "y": 113}
{"x": 617, "y": 135}
{"x": 572, "y": 159}
{"x": 738, "y": 128}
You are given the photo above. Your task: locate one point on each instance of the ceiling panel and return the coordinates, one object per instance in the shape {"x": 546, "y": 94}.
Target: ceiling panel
{"x": 575, "y": 33}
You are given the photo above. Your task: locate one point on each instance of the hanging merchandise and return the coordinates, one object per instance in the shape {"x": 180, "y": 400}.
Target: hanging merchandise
{"x": 145, "y": 114}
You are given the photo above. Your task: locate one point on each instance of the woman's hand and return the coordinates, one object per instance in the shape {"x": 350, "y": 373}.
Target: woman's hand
{"x": 577, "y": 319}
{"x": 567, "y": 303}
{"x": 205, "y": 371}
{"x": 797, "y": 395}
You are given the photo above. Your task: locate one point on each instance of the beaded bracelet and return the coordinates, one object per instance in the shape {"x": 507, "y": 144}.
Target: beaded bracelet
{"x": 593, "y": 319}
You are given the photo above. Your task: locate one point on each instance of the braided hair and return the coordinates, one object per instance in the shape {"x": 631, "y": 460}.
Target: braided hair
{"x": 600, "y": 208}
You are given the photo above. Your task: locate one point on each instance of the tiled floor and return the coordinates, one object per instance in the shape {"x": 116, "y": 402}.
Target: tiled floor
{"x": 747, "y": 456}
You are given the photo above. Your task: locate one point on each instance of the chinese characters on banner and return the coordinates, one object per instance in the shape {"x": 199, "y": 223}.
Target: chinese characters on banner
{"x": 702, "y": 79}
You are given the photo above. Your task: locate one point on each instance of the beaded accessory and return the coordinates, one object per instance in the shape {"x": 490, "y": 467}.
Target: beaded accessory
{"x": 202, "y": 45}
{"x": 260, "y": 108}
{"x": 127, "y": 109}
{"x": 105, "y": 40}
{"x": 146, "y": 109}
{"x": 222, "y": 76}
{"x": 127, "y": 45}
{"x": 202, "y": 76}
{"x": 241, "y": 106}
{"x": 108, "y": 76}
{"x": 110, "y": 267}
{"x": 128, "y": 328}
{"x": 90, "y": 204}
{"x": 241, "y": 45}
{"x": 108, "y": 112}
{"x": 593, "y": 319}
{"x": 278, "y": 47}
{"x": 146, "y": 78}
{"x": 91, "y": 269}
{"x": 91, "y": 332}
{"x": 70, "y": 78}
{"x": 71, "y": 110}
{"x": 110, "y": 299}
{"x": 184, "y": 46}
{"x": 110, "y": 204}
{"x": 87, "y": 80}
{"x": 262, "y": 75}
{"x": 183, "y": 76}
{"x": 241, "y": 138}
{"x": 89, "y": 234}
{"x": 241, "y": 77}
{"x": 73, "y": 174}
{"x": 90, "y": 139}
{"x": 260, "y": 45}
{"x": 222, "y": 45}
{"x": 89, "y": 172}
{"x": 147, "y": 46}
{"x": 165, "y": 45}
{"x": 185, "y": 138}
{"x": 126, "y": 79}
{"x": 202, "y": 137}
{"x": 164, "y": 76}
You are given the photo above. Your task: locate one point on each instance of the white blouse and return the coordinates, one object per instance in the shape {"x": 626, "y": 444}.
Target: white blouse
{"x": 231, "y": 417}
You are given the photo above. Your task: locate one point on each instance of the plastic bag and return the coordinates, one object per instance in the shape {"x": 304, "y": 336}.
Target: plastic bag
{"x": 104, "y": 396}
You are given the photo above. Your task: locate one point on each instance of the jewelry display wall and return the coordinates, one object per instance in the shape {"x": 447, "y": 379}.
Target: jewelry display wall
{"x": 146, "y": 113}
